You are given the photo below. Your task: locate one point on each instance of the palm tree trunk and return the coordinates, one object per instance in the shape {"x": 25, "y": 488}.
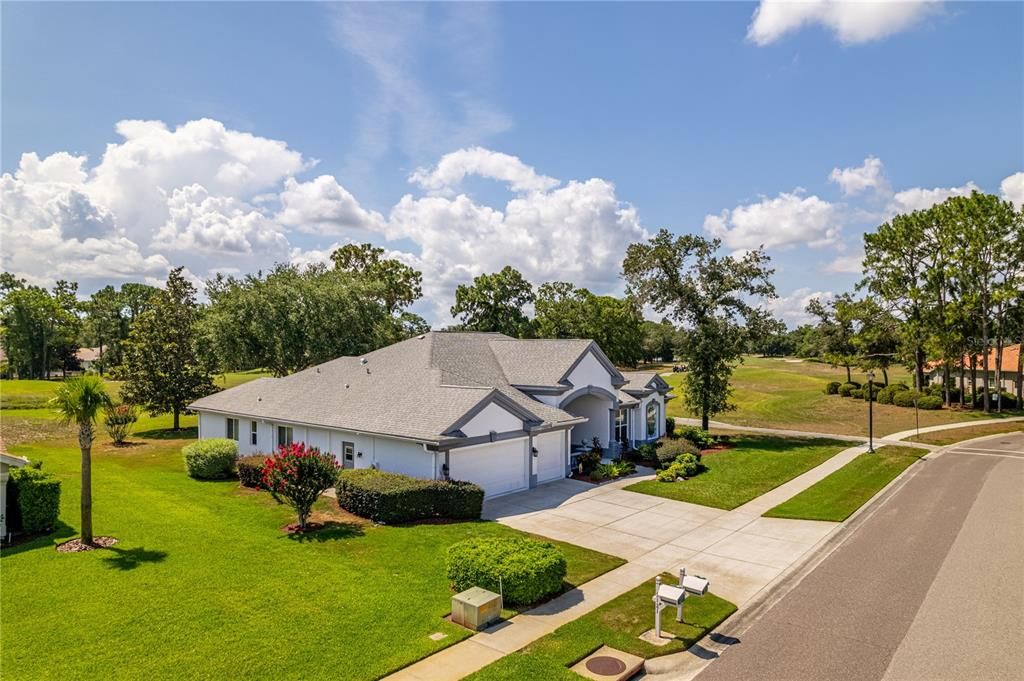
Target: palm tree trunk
{"x": 85, "y": 441}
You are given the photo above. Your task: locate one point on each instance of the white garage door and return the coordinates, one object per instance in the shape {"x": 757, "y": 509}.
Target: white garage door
{"x": 550, "y": 456}
{"x": 498, "y": 467}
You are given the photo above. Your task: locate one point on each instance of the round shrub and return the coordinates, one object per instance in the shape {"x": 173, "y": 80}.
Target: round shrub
{"x": 875, "y": 390}
{"x": 250, "y": 470}
{"x": 832, "y": 388}
{"x": 885, "y": 395}
{"x": 525, "y": 570}
{"x": 119, "y": 419}
{"x": 857, "y": 393}
{"x": 929, "y": 402}
{"x": 670, "y": 426}
{"x": 34, "y": 502}
{"x": 699, "y": 437}
{"x": 669, "y": 450}
{"x": 847, "y": 388}
{"x": 689, "y": 464}
{"x": 670, "y": 474}
{"x": 212, "y": 459}
{"x": 905, "y": 398}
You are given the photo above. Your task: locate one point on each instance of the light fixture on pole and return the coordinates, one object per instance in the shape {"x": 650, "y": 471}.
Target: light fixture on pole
{"x": 871, "y": 395}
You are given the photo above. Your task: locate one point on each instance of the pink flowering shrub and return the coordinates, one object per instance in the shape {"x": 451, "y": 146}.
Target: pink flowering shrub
{"x": 297, "y": 475}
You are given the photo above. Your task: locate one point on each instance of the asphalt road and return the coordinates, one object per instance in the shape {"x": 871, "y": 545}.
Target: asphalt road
{"x": 929, "y": 587}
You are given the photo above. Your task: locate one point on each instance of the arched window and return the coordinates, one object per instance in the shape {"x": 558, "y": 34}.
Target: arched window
{"x": 653, "y": 414}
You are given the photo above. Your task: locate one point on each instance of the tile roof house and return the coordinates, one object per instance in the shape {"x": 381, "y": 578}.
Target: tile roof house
{"x": 1008, "y": 376}
{"x": 502, "y": 412}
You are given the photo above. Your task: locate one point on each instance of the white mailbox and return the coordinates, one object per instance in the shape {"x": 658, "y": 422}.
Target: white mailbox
{"x": 695, "y": 585}
{"x": 671, "y": 595}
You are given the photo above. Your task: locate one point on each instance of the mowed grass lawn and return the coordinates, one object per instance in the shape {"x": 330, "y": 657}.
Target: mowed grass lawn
{"x": 837, "y": 496}
{"x": 618, "y": 624}
{"x": 204, "y": 584}
{"x": 780, "y": 393}
{"x": 757, "y": 464}
{"x": 954, "y": 435}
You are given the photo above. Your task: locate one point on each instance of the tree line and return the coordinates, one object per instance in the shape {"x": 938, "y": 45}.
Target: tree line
{"x": 937, "y": 283}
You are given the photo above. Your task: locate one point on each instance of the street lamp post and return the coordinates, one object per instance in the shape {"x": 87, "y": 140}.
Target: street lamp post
{"x": 871, "y": 424}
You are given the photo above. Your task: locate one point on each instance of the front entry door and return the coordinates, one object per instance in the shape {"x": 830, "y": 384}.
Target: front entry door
{"x": 348, "y": 455}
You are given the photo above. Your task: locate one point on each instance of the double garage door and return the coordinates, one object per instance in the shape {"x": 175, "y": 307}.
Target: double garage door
{"x": 504, "y": 467}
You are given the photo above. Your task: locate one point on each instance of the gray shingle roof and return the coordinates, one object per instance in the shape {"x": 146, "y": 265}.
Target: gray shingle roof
{"x": 415, "y": 389}
{"x": 639, "y": 381}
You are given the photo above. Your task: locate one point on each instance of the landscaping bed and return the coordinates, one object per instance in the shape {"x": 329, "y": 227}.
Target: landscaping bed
{"x": 837, "y": 496}
{"x": 755, "y": 465}
{"x": 618, "y": 624}
{"x": 204, "y": 582}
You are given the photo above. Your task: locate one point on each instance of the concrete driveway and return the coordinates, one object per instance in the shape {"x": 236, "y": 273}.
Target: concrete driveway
{"x": 740, "y": 551}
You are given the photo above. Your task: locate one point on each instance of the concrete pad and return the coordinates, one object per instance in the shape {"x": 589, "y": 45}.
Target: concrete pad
{"x": 681, "y": 509}
{"x": 633, "y": 574}
{"x": 558, "y": 527}
{"x": 629, "y": 499}
{"x": 593, "y": 511}
{"x": 733, "y": 520}
{"x": 734, "y": 580}
{"x": 617, "y": 543}
{"x": 757, "y": 549}
{"x": 702, "y": 537}
{"x": 500, "y": 509}
{"x": 651, "y": 636}
{"x": 653, "y": 526}
{"x": 803, "y": 531}
{"x": 664, "y": 557}
{"x": 508, "y": 637}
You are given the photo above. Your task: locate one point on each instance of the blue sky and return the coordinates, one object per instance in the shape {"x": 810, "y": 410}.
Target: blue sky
{"x": 289, "y": 128}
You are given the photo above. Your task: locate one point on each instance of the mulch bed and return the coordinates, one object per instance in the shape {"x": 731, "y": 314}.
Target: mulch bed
{"x": 76, "y": 545}
{"x": 721, "y": 447}
{"x": 318, "y": 520}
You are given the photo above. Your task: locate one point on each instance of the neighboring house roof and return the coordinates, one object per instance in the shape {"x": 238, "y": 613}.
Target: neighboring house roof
{"x": 420, "y": 389}
{"x": 1011, "y": 355}
{"x": 644, "y": 382}
{"x": 87, "y": 354}
{"x": 10, "y": 459}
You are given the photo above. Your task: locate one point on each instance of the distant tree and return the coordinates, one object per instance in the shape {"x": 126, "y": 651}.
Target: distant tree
{"x": 712, "y": 295}
{"x": 564, "y": 311}
{"x": 103, "y": 325}
{"x": 162, "y": 370}
{"x": 39, "y": 328}
{"x": 79, "y": 401}
{"x": 875, "y": 340}
{"x": 398, "y": 284}
{"x": 660, "y": 340}
{"x": 768, "y": 336}
{"x": 494, "y": 302}
{"x": 836, "y": 327}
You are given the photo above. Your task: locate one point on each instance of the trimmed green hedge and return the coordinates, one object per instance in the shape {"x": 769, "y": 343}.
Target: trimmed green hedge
{"x": 523, "y": 570}
{"x": 212, "y": 459}
{"x": 847, "y": 388}
{"x": 905, "y": 398}
{"x": 34, "y": 501}
{"x": 394, "y": 498}
{"x": 929, "y": 402}
{"x": 857, "y": 393}
{"x": 885, "y": 395}
{"x": 250, "y": 470}
{"x": 832, "y": 388}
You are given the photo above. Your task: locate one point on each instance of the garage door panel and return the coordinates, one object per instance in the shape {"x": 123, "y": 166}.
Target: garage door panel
{"x": 498, "y": 467}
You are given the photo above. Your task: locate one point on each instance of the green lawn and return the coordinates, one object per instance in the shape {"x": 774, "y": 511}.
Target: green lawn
{"x": 204, "y": 584}
{"x": 756, "y": 465}
{"x": 618, "y": 624}
{"x": 837, "y": 496}
{"x": 948, "y": 437}
{"x": 776, "y": 393}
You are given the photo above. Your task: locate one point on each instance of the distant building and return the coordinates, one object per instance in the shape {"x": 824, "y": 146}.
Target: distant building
{"x": 87, "y": 357}
{"x": 1009, "y": 377}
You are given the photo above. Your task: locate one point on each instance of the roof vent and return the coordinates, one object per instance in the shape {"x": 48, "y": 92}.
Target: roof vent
{"x": 346, "y": 385}
{"x": 259, "y": 398}
{"x": 363, "y": 361}
{"x": 421, "y": 336}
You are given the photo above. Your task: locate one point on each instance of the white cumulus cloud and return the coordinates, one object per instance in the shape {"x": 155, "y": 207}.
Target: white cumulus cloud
{"x": 869, "y": 175}
{"x": 322, "y": 206}
{"x": 792, "y": 308}
{"x": 853, "y": 22}
{"x": 454, "y": 167}
{"x": 919, "y": 198}
{"x": 785, "y": 220}
{"x": 217, "y": 224}
{"x": 1012, "y": 189}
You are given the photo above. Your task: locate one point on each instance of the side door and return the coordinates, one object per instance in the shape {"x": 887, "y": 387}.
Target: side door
{"x": 348, "y": 455}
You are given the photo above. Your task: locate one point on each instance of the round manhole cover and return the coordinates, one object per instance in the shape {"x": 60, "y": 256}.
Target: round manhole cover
{"x": 606, "y": 666}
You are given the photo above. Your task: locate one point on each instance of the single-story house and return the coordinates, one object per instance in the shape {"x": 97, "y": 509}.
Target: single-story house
{"x": 1008, "y": 375}
{"x": 502, "y": 412}
{"x": 87, "y": 357}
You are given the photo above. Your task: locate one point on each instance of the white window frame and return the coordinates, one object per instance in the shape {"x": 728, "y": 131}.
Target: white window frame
{"x": 284, "y": 442}
{"x": 652, "y": 405}
{"x": 254, "y": 430}
{"x": 232, "y": 429}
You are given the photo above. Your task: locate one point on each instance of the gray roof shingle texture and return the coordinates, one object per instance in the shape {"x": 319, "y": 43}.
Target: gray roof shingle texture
{"x": 416, "y": 389}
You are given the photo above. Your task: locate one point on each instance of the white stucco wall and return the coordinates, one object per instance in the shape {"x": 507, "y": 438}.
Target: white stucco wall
{"x": 552, "y": 459}
{"x": 389, "y": 454}
{"x": 493, "y": 417}
{"x": 596, "y": 409}
{"x": 590, "y": 371}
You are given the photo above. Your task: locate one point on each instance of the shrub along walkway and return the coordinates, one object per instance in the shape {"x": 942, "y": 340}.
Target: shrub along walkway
{"x": 741, "y": 552}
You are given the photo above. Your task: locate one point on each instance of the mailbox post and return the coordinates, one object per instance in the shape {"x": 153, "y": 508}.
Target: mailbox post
{"x": 676, "y": 595}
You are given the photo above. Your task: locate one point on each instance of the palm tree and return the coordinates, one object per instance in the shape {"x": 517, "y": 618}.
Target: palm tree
{"x": 79, "y": 401}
